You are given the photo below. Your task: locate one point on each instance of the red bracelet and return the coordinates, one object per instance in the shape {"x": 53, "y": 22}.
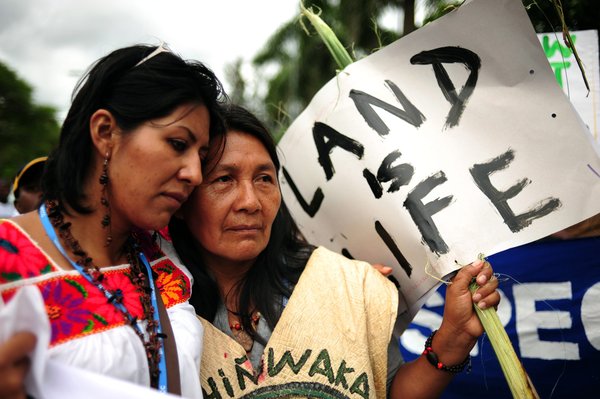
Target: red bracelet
{"x": 435, "y": 362}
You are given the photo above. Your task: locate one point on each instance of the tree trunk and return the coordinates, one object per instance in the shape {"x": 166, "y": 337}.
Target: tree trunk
{"x": 409, "y": 17}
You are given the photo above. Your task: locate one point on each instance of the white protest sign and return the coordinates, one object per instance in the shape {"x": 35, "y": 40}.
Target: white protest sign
{"x": 567, "y": 73}
{"x": 453, "y": 141}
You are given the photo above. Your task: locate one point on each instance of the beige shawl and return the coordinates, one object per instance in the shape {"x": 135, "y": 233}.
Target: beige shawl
{"x": 330, "y": 342}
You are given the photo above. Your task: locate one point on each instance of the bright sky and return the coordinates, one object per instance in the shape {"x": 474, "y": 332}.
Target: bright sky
{"x": 50, "y": 43}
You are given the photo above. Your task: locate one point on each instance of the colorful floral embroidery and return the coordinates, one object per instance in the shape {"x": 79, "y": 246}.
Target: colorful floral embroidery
{"x": 19, "y": 257}
{"x": 148, "y": 245}
{"x": 115, "y": 282}
{"x": 164, "y": 232}
{"x": 173, "y": 284}
{"x": 64, "y": 307}
{"x": 75, "y": 307}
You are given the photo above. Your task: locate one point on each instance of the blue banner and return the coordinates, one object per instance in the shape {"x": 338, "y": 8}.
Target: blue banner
{"x": 551, "y": 311}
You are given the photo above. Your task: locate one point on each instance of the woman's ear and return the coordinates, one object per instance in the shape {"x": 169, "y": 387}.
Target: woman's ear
{"x": 102, "y": 128}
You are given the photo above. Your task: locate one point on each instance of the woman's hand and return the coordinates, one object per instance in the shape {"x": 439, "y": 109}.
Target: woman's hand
{"x": 456, "y": 336}
{"x": 14, "y": 364}
{"x": 460, "y": 326}
{"x": 383, "y": 269}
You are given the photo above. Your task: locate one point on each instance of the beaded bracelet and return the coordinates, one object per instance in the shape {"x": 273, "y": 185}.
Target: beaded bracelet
{"x": 435, "y": 362}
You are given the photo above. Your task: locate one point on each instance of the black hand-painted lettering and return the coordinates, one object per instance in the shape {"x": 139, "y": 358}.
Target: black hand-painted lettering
{"x": 347, "y": 253}
{"x": 312, "y": 208}
{"x": 365, "y": 102}
{"x": 436, "y": 58}
{"x": 391, "y": 244}
{"x": 399, "y": 175}
{"x": 421, "y": 213}
{"x": 394, "y": 280}
{"x": 373, "y": 183}
{"x": 335, "y": 139}
{"x": 481, "y": 174}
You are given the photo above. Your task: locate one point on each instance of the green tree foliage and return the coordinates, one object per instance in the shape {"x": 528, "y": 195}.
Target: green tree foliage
{"x": 301, "y": 61}
{"x": 302, "y": 64}
{"x": 578, "y": 14}
{"x": 233, "y": 75}
{"x": 27, "y": 130}
{"x": 548, "y": 16}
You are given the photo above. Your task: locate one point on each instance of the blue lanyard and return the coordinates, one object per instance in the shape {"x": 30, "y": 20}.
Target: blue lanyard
{"x": 162, "y": 365}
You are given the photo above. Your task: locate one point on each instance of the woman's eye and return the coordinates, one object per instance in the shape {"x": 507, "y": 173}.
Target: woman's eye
{"x": 265, "y": 179}
{"x": 178, "y": 145}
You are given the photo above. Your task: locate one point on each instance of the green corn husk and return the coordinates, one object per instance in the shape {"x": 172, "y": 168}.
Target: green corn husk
{"x": 569, "y": 41}
{"x": 518, "y": 381}
{"x": 337, "y": 50}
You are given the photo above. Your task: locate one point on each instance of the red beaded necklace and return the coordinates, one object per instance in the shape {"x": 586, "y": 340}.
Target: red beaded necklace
{"x": 138, "y": 277}
{"x": 238, "y": 332}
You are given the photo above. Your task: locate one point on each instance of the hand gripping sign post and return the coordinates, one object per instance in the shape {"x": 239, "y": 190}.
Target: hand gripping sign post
{"x": 453, "y": 141}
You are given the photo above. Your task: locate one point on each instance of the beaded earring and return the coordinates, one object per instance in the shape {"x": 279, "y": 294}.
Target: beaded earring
{"x": 104, "y": 200}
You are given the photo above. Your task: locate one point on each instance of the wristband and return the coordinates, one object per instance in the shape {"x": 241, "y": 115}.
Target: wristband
{"x": 435, "y": 362}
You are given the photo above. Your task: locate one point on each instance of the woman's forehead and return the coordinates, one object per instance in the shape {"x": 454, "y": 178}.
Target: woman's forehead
{"x": 241, "y": 144}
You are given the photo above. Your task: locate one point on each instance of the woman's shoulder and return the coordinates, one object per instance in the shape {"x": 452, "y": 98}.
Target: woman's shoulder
{"x": 20, "y": 255}
{"x": 346, "y": 286}
{"x": 335, "y": 260}
{"x": 327, "y": 264}
{"x": 173, "y": 279}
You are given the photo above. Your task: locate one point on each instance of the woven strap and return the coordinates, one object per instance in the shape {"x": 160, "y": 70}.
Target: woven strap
{"x": 173, "y": 380}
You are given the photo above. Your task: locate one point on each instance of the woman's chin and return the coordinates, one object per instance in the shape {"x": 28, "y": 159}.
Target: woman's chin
{"x": 245, "y": 254}
{"x": 155, "y": 224}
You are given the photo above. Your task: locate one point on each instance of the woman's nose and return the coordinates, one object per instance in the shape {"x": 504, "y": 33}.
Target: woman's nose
{"x": 247, "y": 197}
{"x": 191, "y": 172}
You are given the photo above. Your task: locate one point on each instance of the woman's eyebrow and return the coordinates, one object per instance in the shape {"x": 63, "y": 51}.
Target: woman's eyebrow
{"x": 267, "y": 166}
{"x": 233, "y": 167}
{"x": 190, "y": 134}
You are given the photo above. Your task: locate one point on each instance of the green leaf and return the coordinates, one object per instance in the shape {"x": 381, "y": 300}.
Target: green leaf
{"x": 11, "y": 276}
{"x": 77, "y": 286}
{"x": 100, "y": 318}
{"x": 335, "y": 47}
{"x": 518, "y": 381}
{"x": 89, "y": 327}
{"x": 46, "y": 269}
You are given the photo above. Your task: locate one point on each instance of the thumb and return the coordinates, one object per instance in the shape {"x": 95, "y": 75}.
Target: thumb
{"x": 466, "y": 274}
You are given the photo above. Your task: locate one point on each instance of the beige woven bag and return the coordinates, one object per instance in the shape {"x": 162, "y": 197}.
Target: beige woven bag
{"x": 331, "y": 340}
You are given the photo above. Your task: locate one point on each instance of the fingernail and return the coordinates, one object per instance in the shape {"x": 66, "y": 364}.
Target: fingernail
{"x": 481, "y": 279}
{"x": 476, "y": 297}
{"x": 482, "y": 305}
{"x": 478, "y": 263}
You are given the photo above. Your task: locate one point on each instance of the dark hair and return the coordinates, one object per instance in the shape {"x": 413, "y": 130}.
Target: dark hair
{"x": 278, "y": 266}
{"x": 133, "y": 94}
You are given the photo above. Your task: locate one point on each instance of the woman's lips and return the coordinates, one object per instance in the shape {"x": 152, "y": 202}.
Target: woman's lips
{"x": 245, "y": 227}
{"x": 177, "y": 197}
